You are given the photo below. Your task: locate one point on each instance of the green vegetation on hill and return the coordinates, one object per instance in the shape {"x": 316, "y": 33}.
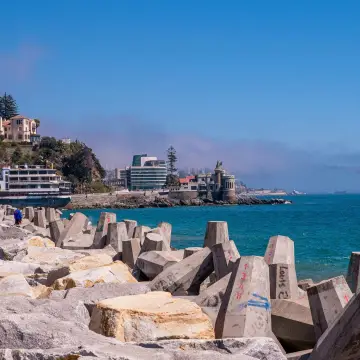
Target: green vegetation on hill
{"x": 75, "y": 161}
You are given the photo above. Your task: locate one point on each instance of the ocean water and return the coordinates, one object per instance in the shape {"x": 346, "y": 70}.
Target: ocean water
{"x": 325, "y": 228}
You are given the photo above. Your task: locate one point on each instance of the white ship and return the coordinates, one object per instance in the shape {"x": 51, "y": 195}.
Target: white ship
{"x": 33, "y": 185}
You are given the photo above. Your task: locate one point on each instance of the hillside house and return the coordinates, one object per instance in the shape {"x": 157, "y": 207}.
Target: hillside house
{"x": 18, "y": 129}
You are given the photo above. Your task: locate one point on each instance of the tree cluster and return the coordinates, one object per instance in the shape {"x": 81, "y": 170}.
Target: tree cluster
{"x": 8, "y": 107}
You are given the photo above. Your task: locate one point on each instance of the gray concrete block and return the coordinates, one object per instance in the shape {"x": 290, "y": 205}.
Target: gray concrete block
{"x": 327, "y": 300}
{"x": 353, "y": 277}
{"x": 79, "y": 242}
{"x": 29, "y": 213}
{"x": 292, "y": 324}
{"x": 154, "y": 242}
{"x": 74, "y": 227}
{"x": 117, "y": 233}
{"x": 283, "y": 281}
{"x": 140, "y": 232}
{"x": 131, "y": 251}
{"x": 341, "y": 339}
{"x": 224, "y": 256}
{"x": 130, "y": 227}
{"x": 214, "y": 294}
{"x": 191, "y": 250}
{"x": 305, "y": 284}
{"x": 245, "y": 309}
{"x": 166, "y": 228}
{"x": 40, "y": 219}
{"x": 56, "y": 228}
{"x": 187, "y": 274}
{"x": 50, "y": 214}
{"x": 216, "y": 232}
{"x": 102, "y": 228}
{"x": 152, "y": 263}
{"x": 10, "y": 210}
{"x": 280, "y": 250}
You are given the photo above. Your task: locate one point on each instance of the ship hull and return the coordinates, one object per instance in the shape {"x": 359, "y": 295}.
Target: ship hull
{"x": 36, "y": 201}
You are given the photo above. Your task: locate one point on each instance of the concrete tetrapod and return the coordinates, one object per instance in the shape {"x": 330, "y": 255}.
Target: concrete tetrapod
{"x": 50, "y": 214}
{"x": 29, "y": 213}
{"x": 130, "y": 227}
{"x": 117, "y": 233}
{"x": 166, "y": 229}
{"x": 154, "y": 242}
{"x": 191, "y": 250}
{"x": 131, "y": 251}
{"x": 305, "y": 284}
{"x": 152, "y": 263}
{"x": 327, "y": 299}
{"x": 73, "y": 227}
{"x": 283, "y": 281}
{"x": 39, "y": 218}
{"x": 292, "y": 324}
{"x": 187, "y": 274}
{"x": 100, "y": 238}
{"x": 353, "y": 277}
{"x": 245, "y": 309}
{"x": 224, "y": 256}
{"x": 216, "y": 232}
{"x": 140, "y": 232}
{"x": 214, "y": 294}
{"x": 56, "y": 228}
{"x": 280, "y": 250}
{"x": 341, "y": 339}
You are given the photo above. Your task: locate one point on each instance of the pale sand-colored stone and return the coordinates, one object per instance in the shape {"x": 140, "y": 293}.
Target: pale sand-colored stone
{"x": 41, "y": 291}
{"x": 41, "y": 242}
{"x": 85, "y": 263}
{"x": 152, "y": 316}
{"x": 116, "y": 272}
{"x": 15, "y": 285}
{"x": 49, "y": 256}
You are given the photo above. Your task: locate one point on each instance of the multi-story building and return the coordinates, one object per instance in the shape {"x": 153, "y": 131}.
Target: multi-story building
{"x": 18, "y": 129}
{"x": 146, "y": 173}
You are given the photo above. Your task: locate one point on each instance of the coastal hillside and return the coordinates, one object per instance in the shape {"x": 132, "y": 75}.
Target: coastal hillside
{"x": 75, "y": 161}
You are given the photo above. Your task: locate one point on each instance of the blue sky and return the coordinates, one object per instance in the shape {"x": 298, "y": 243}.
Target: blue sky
{"x": 271, "y": 88}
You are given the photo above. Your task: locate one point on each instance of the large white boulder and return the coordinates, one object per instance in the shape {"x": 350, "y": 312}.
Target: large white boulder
{"x": 151, "y": 316}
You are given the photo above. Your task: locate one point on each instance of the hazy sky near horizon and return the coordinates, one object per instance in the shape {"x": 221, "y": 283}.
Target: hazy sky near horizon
{"x": 270, "y": 87}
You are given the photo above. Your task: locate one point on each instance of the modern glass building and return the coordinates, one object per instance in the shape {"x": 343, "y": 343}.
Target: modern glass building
{"x": 149, "y": 175}
{"x": 137, "y": 159}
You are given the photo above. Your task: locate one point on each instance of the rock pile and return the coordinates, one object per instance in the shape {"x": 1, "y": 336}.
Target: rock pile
{"x": 119, "y": 291}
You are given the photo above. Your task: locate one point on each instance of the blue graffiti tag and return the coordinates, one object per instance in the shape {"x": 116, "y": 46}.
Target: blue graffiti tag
{"x": 262, "y": 303}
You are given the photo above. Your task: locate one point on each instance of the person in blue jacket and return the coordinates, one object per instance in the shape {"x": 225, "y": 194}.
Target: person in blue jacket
{"x": 17, "y": 217}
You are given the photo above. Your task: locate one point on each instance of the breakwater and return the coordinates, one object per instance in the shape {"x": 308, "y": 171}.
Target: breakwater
{"x": 135, "y": 201}
{"x": 120, "y": 287}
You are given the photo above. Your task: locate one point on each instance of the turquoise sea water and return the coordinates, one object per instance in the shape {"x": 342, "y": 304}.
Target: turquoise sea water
{"x": 325, "y": 228}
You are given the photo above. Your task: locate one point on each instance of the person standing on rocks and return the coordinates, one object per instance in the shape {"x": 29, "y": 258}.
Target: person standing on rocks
{"x": 18, "y": 216}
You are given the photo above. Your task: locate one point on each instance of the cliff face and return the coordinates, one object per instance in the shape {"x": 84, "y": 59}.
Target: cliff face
{"x": 75, "y": 161}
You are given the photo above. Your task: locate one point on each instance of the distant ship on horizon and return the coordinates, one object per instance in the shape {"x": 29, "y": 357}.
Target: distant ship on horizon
{"x": 342, "y": 192}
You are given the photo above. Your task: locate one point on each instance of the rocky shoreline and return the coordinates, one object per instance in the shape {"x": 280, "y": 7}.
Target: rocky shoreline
{"x": 108, "y": 201}
{"x": 119, "y": 291}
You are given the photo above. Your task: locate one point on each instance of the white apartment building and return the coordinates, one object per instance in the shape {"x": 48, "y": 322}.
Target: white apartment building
{"x": 18, "y": 128}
